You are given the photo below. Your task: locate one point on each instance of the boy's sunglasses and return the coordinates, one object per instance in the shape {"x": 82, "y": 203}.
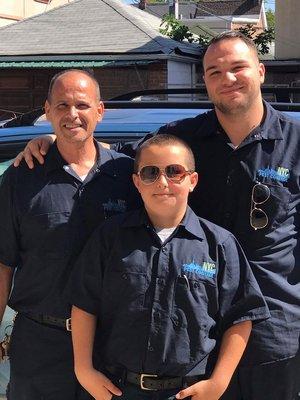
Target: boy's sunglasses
{"x": 174, "y": 173}
{"x": 258, "y": 217}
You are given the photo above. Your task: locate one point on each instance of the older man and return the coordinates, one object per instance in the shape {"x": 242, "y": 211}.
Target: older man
{"x": 46, "y": 215}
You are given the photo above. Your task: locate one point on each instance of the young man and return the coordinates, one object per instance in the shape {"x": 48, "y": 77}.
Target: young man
{"x": 169, "y": 297}
{"x": 46, "y": 215}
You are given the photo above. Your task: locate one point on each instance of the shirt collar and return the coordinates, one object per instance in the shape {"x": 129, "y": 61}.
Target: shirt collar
{"x": 54, "y": 160}
{"x": 270, "y": 127}
{"x": 210, "y": 125}
{"x": 190, "y": 221}
{"x": 191, "y": 224}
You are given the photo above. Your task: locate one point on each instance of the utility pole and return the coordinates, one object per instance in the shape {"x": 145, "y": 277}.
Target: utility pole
{"x": 173, "y": 8}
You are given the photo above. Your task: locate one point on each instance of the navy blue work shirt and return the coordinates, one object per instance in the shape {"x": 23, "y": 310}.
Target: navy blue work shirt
{"x": 161, "y": 307}
{"x": 46, "y": 216}
{"x": 227, "y": 175}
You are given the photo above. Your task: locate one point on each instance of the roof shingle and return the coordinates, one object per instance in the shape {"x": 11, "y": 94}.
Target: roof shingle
{"x": 89, "y": 27}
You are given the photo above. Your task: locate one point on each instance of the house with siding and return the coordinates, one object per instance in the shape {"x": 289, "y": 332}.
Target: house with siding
{"x": 217, "y": 16}
{"x": 16, "y": 10}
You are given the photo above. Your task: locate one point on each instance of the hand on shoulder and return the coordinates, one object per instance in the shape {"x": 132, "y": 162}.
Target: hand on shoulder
{"x": 37, "y": 148}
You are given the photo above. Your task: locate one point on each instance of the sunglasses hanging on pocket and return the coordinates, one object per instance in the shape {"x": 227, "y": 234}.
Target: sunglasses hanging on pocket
{"x": 258, "y": 217}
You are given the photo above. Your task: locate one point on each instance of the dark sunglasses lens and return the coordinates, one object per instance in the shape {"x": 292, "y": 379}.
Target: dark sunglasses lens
{"x": 259, "y": 218}
{"x": 175, "y": 172}
{"x": 260, "y": 193}
{"x": 149, "y": 174}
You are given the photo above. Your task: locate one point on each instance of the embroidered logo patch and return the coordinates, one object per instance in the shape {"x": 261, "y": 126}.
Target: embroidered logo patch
{"x": 115, "y": 205}
{"x": 281, "y": 175}
{"x": 207, "y": 269}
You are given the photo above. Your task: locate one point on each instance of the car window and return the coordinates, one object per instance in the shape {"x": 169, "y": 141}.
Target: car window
{"x": 4, "y": 165}
{"x": 6, "y": 327}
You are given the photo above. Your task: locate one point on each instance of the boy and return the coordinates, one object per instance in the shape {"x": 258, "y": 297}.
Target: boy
{"x": 172, "y": 295}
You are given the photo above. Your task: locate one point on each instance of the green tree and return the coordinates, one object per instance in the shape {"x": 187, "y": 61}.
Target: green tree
{"x": 176, "y": 30}
{"x": 262, "y": 40}
{"x": 173, "y": 28}
{"x": 270, "y": 18}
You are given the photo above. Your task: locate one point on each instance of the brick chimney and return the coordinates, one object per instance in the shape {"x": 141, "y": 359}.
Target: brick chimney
{"x": 142, "y": 4}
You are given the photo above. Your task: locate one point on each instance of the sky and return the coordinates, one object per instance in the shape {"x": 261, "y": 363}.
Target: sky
{"x": 270, "y": 4}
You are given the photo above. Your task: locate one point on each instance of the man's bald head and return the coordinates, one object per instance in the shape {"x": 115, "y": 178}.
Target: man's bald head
{"x": 59, "y": 75}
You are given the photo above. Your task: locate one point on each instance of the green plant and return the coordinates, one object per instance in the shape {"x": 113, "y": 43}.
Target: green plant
{"x": 262, "y": 40}
{"x": 176, "y": 30}
{"x": 270, "y": 18}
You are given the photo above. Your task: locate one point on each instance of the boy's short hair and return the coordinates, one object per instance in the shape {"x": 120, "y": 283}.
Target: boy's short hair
{"x": 165, "y": 140}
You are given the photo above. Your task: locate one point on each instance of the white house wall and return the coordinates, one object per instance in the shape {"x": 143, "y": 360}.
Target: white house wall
{"x": 217, "y": 25}
{"x": 181, "y": 75}
{"x": 16, "y": 10}
{"x": 287, "y": 34}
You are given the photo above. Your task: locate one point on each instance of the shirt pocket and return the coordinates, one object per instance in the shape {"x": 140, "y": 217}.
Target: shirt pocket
{"x": 194, "y": 306}
{"x": 46, "y": 235}
{"x": 196, "y": 297}
{"x": 276, "y": 206}
{"x": 123, "y": 291}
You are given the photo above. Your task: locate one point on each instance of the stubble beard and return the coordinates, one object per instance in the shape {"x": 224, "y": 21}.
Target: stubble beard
{"x": 233, "y": 108}
{"x": 230, "y": 109}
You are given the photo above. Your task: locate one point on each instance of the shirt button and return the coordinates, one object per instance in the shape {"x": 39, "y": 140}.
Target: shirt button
{"x": 150, "y": 348}
{"x": 164, "y": 250}
{"x": 156, "y": 316}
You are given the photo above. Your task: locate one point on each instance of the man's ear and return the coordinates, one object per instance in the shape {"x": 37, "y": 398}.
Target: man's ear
{"x": 261, "y": 71}
{"x": 100, "y": 110}
{"x": 193, "y": 181}
{"x": 136, "y": 181}
{"x": 47, "y": 109}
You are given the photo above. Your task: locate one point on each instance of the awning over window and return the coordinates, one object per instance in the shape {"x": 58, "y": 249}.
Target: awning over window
{"x": 72, "y": 64}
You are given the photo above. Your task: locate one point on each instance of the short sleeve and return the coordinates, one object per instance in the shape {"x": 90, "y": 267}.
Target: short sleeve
{"x": 240, "y": 298}
{"x": 84, "y": 286}
{"x": 9, "y": 229}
